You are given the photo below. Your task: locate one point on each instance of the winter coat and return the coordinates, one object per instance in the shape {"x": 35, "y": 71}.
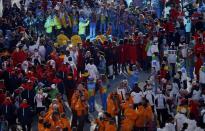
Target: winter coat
{"x": 8, "y": 111}
{"x": 133, "y": 54}
{"x": 57, "y": 22}
{"x": 92, "y": 70}
{"x": 49, "y": 24}
{"x": 202, "y": 75}
{"x": 133, "y": 78}
{"x": 198, "y": 65}
{"x": 18, "y": 57}
{"x": 187, "y": 23}
{"x": 82, "y": 27}
{"x": 24, "y": 114}
{"x": 122, "y": 54}
{"x": 144, "y": 116}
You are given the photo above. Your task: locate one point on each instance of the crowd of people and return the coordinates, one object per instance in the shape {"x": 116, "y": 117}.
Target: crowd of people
{"x": 56, "y": 56}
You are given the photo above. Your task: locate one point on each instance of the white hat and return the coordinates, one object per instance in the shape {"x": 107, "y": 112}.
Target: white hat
{"x": 53, "y": 86}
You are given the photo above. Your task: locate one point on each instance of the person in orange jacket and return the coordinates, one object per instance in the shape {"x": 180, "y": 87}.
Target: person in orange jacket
{"x": 81, "y": 109}
{"x": 128, "y": 102}
{"x": 113, "y": 104}
{"x": 106, "y": 123}
{"x": 55, "y": 120}
{"x": 144, "y": 116}
{"x": 111, "y": 126}
{"x": 65, "y": 122}
{"x": 128, "y": 121}
{"x": 40, "y": 125}
{"x": 54, "y": 106}
{"x": 81, "y": 91}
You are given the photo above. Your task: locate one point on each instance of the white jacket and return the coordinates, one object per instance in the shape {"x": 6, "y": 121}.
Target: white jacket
{"x": 137, "y": 97}
{"x": 92, "y": 70}
{"x": 196, "y": 94}
{"x": 149, "y": 96}
{"x": 202, "y": 75}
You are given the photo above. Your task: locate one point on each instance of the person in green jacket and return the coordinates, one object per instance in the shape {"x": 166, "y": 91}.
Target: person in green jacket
{"x": 49, "y": 24}
{"x": 82, "y": 27}
{"x": 53, "y": 92}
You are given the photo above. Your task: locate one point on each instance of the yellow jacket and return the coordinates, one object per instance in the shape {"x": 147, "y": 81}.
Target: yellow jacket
{"x": 57, "y": 23}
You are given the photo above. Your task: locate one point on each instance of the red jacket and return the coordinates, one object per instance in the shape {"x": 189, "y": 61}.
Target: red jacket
{"x": 199, "y": 49}
{"x": 133, "y": 54}
{"x": 126, "y": 52}
{"x": 18, "y": 57}
{"x": 198, "y": 65}
{"x": 122, "y": 53}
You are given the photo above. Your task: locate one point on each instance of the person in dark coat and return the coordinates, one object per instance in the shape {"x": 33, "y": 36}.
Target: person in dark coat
{"x": 24, "y": 114}
{"x": 28, "y": 92}
{"x": 8, "y": 111}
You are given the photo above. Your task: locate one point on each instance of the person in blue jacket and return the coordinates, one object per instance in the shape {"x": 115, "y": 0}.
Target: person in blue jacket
{"x": 134, "y": 76}
{"x": 91, "y": 85}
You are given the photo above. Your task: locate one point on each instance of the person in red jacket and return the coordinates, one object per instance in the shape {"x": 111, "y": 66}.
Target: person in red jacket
{"x": 132, "y": 52}
{"x": 18, "y": 56}
{"x": 199, "y": 47}
{"x": 198, "y": 65}
{"x": 122, "y": 53}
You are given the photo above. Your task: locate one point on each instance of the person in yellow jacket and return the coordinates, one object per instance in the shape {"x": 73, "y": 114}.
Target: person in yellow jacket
{"x": 62, "y": 39}
{"x": 57, "y": 23}
{"x": 82, "y": 27}
{"x": 144, "y": 115}
{"x": 49, "y": 24}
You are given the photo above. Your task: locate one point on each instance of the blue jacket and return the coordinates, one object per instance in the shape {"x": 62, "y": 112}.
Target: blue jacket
{"x": 134, "y": 77}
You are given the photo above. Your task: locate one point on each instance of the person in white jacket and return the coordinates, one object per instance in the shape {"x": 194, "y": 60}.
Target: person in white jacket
{"x": 92, "y": 69}
{"x": 38, "y": 99}
{"x": 202, "y": 76}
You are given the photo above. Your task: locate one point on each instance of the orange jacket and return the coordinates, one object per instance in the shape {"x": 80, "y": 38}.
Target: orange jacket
{"x": 112, "y": 107}
{"x": 101, "y": 124}
{"x": 53, "y": 123}
{"x": 41, "y": 127}
{"x": 66, "y": 124}
{"x": 125, "y": 125}
{"x": 128, "y": 123}
{"x": 74, "y": 99}
{"x": 110, "y": 127}
{"x": 80, "y": 108}
{"x": 127, "y": 103}
{"x": 144, "y": 116}
{"x": 85, "y": 93}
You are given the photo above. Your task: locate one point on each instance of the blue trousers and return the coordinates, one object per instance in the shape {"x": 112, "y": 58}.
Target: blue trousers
{"x": 92, "y": 29}
{"x": 102, "y": 28}
{"x": 91, "y": 102}
{"x": 75, "y": 29}
{"x": 104, "y": 101}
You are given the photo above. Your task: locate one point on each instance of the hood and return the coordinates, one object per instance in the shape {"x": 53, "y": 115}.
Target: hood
{"x": 24, "y": 105}
{"x": 27, "y": 86}
{"x": 7, "y": 102}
